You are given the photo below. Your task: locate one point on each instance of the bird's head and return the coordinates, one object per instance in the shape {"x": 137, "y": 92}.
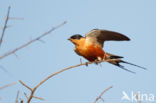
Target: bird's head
{"x": 75, "y": 39}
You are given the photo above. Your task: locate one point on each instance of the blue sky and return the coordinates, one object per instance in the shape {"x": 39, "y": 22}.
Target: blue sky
{"x": 134, "y": 18}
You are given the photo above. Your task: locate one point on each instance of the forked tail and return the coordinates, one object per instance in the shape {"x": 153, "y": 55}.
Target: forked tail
{"x": 116, "y": 60}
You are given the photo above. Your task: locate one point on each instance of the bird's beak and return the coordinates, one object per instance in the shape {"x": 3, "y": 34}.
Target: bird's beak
{"x": 69, "y": 39}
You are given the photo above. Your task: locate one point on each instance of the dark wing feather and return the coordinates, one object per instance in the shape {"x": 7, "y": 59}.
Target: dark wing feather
{"x": 99, "y": 36}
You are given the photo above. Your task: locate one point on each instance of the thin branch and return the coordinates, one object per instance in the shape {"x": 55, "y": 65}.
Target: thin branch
{"x": 25, "y": 85}
{"x": 54, "y": 74}
{"x": 21, "y": 101}
{"x": 4, "y": 69}
{"x": 40, "y": 98}
{"x": 17, "y": 97}
{"x": 32, "y": 41}
{"x": 138, "y": 98}
{"x": 25, "y": 95}
{"x": 100, "y": 96}
{"x": 5, "y": 26}
{"x": 7, "y": 85}
{"x": 16, "y": 18}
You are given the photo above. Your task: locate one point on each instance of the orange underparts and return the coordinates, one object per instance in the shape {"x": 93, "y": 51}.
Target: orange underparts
{"x": 92, "y": 52}
{"x": 89, "y": 51}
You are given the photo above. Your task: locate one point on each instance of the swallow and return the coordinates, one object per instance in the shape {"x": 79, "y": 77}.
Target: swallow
{"x": 91, "y": 47}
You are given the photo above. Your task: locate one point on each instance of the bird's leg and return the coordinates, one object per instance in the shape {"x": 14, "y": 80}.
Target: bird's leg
{"x": 96, "y": 61}
{"x": 86, "y": 64}
{"x": 80, "y": 61}
{"x": 104, "y": 57}
{"x": 100, "y": 64}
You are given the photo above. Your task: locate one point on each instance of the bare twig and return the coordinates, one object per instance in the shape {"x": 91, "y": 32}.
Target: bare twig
{"x": 100, "y": 96}
{"x": 25, "y": 95}
{"x": 54, "y": 74}
{"x": 17, "y": 97}
{"x": 39, "y": 98}
{"x": 4, "y": 69}
{"x": 5, "y": 26}
{"x": 32, "y": 41}
{"x": 21, "y": 101}
{"x": 8, "y": 85}
{"x": 16, "y": 18}
{"x": 138, "y": 98}
{"x": 25, "y": 85}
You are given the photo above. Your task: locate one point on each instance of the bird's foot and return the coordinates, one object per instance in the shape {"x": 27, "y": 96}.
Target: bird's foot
{"x": 96, "y": 61}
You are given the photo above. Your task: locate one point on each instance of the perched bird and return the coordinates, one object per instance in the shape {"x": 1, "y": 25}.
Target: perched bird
{"x": 90, "y": 46}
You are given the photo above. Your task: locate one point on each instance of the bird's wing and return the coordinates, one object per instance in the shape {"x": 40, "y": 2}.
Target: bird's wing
{"x": 99, "y": 36}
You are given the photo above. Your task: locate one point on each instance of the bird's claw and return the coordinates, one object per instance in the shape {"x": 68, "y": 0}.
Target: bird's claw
{"x": 96, "y": 61}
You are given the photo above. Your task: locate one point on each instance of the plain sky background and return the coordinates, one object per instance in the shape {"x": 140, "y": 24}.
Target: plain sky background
{"x": 134, "y": 18}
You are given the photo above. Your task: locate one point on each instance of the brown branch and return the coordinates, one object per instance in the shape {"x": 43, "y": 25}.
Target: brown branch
{"x": 7, "y": 85}
{"x": 32, "y": 41}
{"x": 138, "y": 98}
{"x": 17, "y": 97}
{"x": 25, "y": 85}
{"x": 40, "y": 98}
{"x": 25, "y": 95}
{"x": 5, "y": 26}
{"x": 54, "y": 74}
{"x": 100, "y": 96}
